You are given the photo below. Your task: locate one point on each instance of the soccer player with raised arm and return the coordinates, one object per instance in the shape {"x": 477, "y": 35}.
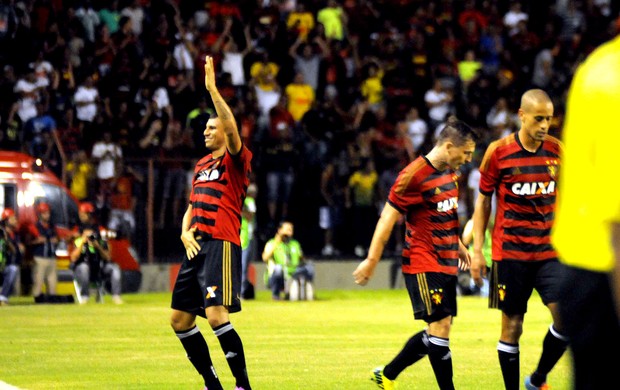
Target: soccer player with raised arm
{"x": 426, "y": 192}
{"x": 522, "y": 169}
{"x": 209, "y": 281}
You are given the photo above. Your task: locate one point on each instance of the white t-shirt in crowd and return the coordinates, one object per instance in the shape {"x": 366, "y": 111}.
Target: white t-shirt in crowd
{"x": 438, "y": 112}
{"x": 417, "y": 129}
{"x": 233, "y": 64}
{"x": 108, "y": 153}
{"x": 86, "y": 95}
{"x": 26, "y": 105}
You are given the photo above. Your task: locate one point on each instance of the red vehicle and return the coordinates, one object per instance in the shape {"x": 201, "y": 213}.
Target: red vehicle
{"x": 25, "y": 181}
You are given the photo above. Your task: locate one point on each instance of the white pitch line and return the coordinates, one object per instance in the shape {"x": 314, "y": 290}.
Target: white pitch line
{"x": 6, "y": 386}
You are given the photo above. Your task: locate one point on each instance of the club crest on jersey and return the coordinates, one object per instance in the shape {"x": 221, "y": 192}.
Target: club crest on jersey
{"x": 552, "y": 167}
{"x": 437, "y": 296}
{"x": 211, "y": 292}
{"x": 208, "y": 175}
{"x": 501, "y": 291}
{"x": 448, "y": 204}
{"x": 535, "y": 188}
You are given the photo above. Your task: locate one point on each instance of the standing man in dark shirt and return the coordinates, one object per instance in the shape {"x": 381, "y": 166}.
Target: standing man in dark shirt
{"x": 522, "y": 169}
{"x": 43, "y": 240}
{"x": 209, "y": 281}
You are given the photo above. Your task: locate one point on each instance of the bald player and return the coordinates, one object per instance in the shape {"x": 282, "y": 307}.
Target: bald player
{"x": 522, "y": 170}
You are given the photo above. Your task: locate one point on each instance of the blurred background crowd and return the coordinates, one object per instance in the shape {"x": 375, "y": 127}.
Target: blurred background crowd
{"x": 333, "y": 97}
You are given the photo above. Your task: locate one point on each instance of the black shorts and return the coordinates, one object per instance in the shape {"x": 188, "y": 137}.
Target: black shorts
{"x": 512, "y": 282}
{"x": 432, "y": 294}
{"x": 211, "y": 278}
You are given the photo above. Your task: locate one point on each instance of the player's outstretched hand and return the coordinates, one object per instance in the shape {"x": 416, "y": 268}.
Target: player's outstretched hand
{"x": 209, "y": 73}
{"x": 363, "y": 272}
{"x": 189, "y": 242}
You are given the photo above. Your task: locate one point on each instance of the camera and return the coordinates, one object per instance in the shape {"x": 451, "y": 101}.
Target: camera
{"x": 92, "y": 237}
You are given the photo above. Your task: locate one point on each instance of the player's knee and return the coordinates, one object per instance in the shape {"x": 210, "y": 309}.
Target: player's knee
{"x": 180, "y": 322}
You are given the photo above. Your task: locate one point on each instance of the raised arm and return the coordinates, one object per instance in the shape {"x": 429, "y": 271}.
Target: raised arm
{"x": 233, "y": 140}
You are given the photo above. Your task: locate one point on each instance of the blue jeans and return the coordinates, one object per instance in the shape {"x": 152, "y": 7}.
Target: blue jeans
{"x": 10, "y": 275}
{"x": 277, "y": 280}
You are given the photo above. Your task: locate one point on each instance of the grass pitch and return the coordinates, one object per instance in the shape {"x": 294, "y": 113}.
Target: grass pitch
{"x": 331, "y": 343}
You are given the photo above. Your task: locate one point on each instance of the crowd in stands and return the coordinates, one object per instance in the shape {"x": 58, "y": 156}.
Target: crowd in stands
{"x": 333, "y": 97}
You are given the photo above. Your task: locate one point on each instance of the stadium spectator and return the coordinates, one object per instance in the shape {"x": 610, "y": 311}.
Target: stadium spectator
{"x": 106, "y": 155}
{"x": 433, "y": 255}
{"x": 81, "y": 175}
{"x": 279, "y": 161}
{"x": 513, "y": 169}
{"x": 299, "y": 97}
{"x": 439, "y": 103}
{"x": 300, "y": 21}
{"x": 122, "y": 219}
{"x": 360, "y": 198}
{"x": 287, "y": 271}
{"x": 11, "y": 253}
{"x": 90, "y": 258}
{"x": 334, "y": 19}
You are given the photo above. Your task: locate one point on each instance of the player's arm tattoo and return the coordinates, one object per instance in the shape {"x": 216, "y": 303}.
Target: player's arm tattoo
{"x": 222, "y": 109}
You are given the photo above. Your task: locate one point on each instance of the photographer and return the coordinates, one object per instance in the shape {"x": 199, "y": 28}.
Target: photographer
{"x": 286, "y": 269}
{"x": 11, "y": 250}
{"x": 90, "y": 257}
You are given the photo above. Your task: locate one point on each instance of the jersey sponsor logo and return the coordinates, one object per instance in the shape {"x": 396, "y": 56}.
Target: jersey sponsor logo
{"x": 208, "y": 175}
{"x": 437, "y": 296}
{"x": 448, "y": 204}
{"x": 535, "y": 188}
{"x": 211, "y": 292}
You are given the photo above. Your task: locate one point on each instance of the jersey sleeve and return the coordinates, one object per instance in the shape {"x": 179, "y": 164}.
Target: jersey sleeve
{"x": 405, "y": 192}
{"x": 489, "y": 171}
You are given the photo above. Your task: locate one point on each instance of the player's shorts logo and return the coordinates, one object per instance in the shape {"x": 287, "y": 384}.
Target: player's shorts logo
{"x": 437, "y": 296}
{"x": 211, "y": 292}
{"x": 501, "y": 291}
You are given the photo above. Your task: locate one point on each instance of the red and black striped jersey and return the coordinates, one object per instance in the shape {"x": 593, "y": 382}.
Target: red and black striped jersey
{"x": 526, "y": 186}
{"x": 218, "y": 189}
{"x": 429, "y": 200}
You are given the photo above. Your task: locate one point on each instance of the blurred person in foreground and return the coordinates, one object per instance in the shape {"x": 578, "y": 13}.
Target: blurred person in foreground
{"x": 587, "y": 229}
{"x": 426, "y": 193}
{"x": 522, "y": 170}
{"x": 209, "y": 281}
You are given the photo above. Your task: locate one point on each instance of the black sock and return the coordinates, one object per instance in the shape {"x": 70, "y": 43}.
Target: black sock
{"x": 509, "y": 362}
{"x": 415, "y": 349}
{"x": 198, "y": 353}
{"x": 441, "y": 361}
{"x": 233, "y": 350}
{"x": 554, "y": 346}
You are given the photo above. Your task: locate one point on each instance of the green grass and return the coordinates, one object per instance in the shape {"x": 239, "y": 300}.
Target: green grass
{"x": 331, "y": 343}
